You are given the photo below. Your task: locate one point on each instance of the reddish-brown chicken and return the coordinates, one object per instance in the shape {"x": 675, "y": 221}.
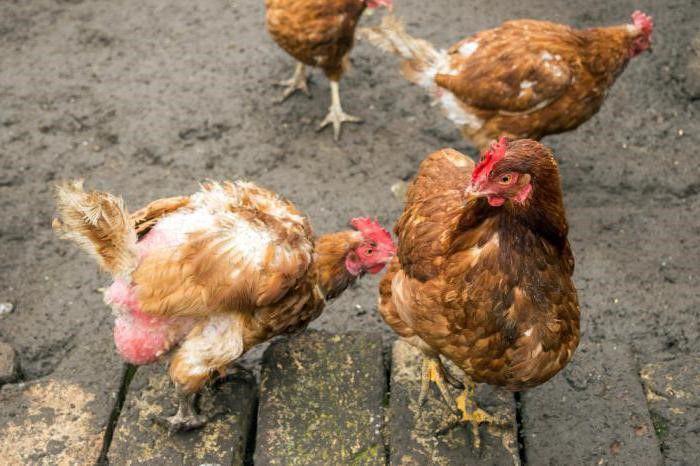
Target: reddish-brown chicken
{"x": 209, "y": 276}
{"x": 524, "y": 79}
{"x": 318, "y": 33}
{"x": 483, "y": 271}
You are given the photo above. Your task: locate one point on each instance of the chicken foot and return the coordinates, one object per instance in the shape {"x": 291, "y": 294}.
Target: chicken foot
{"x": 186, "y": 417}
{"x": 336, "y": 115}
{"x": 470, "y": 413}
{"x": 298, "y": 82}
{"x": 433, "y": 371}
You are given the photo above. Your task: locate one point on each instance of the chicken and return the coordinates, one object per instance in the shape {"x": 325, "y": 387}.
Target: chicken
{"x": 206, "y": 277}
{"x": 318, "y": 33}
{"x": 524, "y": 79}
{"x": 483, "y": 272}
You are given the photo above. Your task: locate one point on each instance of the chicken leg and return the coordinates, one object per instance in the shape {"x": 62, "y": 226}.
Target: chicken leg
{"x": 433, "y": 371}
{"x": 470, "y": 413}
{"x": 336, "y": 115}
{"x": 186, "y": 417}
{"x": 298, "y": 82}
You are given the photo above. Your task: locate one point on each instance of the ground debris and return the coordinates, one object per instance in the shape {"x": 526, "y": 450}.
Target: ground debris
{"x": 673, "y": 394}
{"x": 9, "y": 364}
{"x": 6, "y": 308}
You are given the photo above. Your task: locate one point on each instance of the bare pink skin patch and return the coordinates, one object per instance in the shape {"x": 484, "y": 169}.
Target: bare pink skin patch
{"x": 524, "y": 193}
{"x": 141, "y": 338}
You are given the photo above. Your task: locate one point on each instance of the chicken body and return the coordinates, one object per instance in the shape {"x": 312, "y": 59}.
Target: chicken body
{"x": 318, "y": 33}
{"x": 211, "y": 275}
{"x": 485, "y": 283}
{"x": 523, "y": 79}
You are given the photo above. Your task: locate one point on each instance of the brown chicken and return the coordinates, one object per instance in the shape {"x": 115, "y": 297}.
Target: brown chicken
{"x": 318, "y": 33}
{"x": 211, "y": 275}
{"x": 483, "y": 272}
{"x": 524, "y": 79}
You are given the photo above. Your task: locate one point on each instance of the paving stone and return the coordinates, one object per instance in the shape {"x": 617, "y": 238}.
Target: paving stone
{"x": 9, "y": 364}
{"x": 593, "y": 412}
{"x": 321, "y": 401}
{"x": 140, "y": 440}
{"x": 61, "y": 418}
{"x": 413, "y": 436}
{"x": 673, "y": 394}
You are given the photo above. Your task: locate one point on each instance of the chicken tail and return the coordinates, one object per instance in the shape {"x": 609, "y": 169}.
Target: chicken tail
{"x": 99, "y": 223}
{"x": 422, "y": 60}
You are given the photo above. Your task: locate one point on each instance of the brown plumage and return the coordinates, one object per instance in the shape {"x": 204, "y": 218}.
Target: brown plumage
{"x": 318, "y": 33}
{"x": 523, "y": 79}
{"x": 213, "y": 274}
{"x": 483, "y": 270}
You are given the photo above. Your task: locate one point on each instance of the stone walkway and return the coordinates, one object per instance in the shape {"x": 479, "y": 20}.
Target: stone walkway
{"x": 339, "y": 399}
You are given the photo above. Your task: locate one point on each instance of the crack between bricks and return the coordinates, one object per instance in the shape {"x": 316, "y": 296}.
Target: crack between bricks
{"x": 249, "y": 452}
{"x": 128, "y": 371}
{"x": 520, "y": 428}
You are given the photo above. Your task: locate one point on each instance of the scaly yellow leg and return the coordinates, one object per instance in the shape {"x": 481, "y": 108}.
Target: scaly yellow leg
{"x": 470, "y": 413}
{"x": 433, "y": 371}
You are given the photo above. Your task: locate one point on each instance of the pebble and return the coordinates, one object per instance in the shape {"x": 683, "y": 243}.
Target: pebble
{"x": 8, "y": 364}
{"x": 6, "y": 308}
{"x": 399, "y": 190}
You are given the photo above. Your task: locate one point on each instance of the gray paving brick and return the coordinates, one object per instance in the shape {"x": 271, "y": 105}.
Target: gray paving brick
{"x": 412, "y": 436}
{"x": 321, "y": 401}
{"x": 140, "y": 440}
{"x": 593, "y": 412}
{"x": 673, "y": 394}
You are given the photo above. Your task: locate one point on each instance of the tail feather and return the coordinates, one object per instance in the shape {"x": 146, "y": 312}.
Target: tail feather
{"x": 99, "y": 223}
{"x": 422, "y": 59}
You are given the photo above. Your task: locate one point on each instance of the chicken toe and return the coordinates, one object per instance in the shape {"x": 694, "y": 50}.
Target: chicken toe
{"x": 336, "y": 116}
{"x": 298, "y": 82}
{"x": 471, "y": 414}
{"x": 186, "y": 417}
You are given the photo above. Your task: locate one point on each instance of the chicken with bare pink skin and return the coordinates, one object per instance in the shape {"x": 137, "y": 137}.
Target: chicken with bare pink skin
{"x": 523, "y": 79}
{"x": 318, "y": 33}
{"x": 204, "y": 278}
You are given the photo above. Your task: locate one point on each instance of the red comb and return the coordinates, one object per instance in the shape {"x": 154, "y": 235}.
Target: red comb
{"x": 643, "y": 21}
{"x": 371, "y": 229}
{"x": 489, "y": 159}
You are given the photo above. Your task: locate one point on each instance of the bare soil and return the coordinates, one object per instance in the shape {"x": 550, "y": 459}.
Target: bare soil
{"x": 147, "y": 99}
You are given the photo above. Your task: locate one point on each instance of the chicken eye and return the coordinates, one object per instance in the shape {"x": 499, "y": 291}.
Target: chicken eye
{"x": 505, "y": 179}
{"x": 370, "y": 251}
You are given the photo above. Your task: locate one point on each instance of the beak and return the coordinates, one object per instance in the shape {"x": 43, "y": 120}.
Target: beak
{"x": 473, "y": 191}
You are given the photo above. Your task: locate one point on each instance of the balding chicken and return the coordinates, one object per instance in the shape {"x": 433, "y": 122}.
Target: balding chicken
{"x": 208, "y": 276}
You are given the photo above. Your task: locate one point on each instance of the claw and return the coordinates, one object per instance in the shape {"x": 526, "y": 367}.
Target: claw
{"x": 185, "y": 418}
{"x": 470, "y": 413}
{"x": 336, "y": 115}
{"x": 298, "y": 82}
{"x": 180, "y": 423}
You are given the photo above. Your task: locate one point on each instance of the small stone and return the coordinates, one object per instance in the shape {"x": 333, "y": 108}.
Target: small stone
{"x": 399, "y": 190}
{"x": 6, "y": 308}
{"x": 9, "y": 364}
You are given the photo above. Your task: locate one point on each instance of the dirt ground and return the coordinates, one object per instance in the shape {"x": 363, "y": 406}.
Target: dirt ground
{"x": 148, "y": 98}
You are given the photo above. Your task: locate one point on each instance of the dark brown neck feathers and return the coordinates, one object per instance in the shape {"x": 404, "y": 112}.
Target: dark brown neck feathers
{"x": 331, "y": 250}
